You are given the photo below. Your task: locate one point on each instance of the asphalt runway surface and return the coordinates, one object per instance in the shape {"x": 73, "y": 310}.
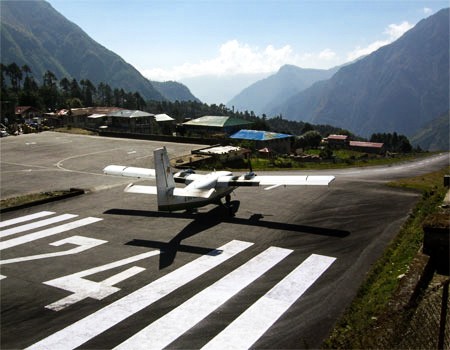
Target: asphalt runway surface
{"x": 107, "y": 270}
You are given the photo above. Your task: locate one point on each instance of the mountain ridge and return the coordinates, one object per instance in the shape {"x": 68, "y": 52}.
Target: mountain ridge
{"x": 35, "y": 34}
{"x": 263, "y": 95}
{"x": 399, "y": 87}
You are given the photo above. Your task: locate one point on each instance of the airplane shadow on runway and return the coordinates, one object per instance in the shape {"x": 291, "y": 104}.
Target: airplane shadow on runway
{"x": 204, "y": 221}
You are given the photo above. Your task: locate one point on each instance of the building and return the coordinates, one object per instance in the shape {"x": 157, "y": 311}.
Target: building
{"x": 336, "y": 141}
{"x": 165, "y": 123}
{"x": 82, "y": 117}
{"x": 367, "y": 147}
{"x": 274, "y": 142}
{"x": 133, "y": 121}
{"x": 28, "y": 114}
{"x": 214, "y": 126}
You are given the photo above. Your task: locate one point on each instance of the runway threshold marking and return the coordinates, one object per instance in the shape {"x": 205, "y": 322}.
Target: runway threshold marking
{"x": 48, "y": 232}
{"x": 257, "y": 319}
{"x": 33, "y": 225}
{"x": 165, "y": 330}
{"x": 25, "y": 218}
{"x": 87, "y": 328}
{"x": 82, "y": 243}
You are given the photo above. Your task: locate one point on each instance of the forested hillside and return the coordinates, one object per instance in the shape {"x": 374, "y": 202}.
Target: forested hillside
{"x": 33, "y": 33}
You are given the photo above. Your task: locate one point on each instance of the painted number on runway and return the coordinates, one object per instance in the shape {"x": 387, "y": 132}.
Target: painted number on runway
{"x": 241, "y": 333}
{"x": 30, "y": 222}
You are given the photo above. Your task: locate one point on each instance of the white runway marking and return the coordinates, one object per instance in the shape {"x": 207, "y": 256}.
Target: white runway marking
{"x": 83, "y": 243}
{"x": 48, "y": 232}
{"x": 25, "y": 218}
{"x": 256, "y": 320}
{"x": 168, "y": 328}
{"x": 83, "y": 288}
{"x": 37, "y": 224}
{"x": 87, "y": 328}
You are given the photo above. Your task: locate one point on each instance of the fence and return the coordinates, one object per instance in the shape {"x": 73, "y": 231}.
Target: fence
{"x": 426, "y": 325}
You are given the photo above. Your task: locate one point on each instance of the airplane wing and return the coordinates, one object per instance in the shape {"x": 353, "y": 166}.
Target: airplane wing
{"x": 129, "y": 171}
{"x": 274, "y": 181}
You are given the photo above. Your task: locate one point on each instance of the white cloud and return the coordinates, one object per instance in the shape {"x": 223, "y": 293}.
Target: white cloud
{"x": 393, "y": 31}
{"x": 234, "y": 58}
{"x": 327, "y": 54}
{"x": 427, "y": 11}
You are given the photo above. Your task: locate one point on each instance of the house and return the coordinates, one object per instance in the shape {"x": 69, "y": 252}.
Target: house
{"x": 274, "y": 142}
{"x": 28, "y": 114}
{"x": 133, "y": 121}
{"x": 215, "y": 125}
{"x": 336, "y": 141}
{"x": 80, "y": 117}
{"x": 367, "y": 147}
{"x": 166, "y": 123}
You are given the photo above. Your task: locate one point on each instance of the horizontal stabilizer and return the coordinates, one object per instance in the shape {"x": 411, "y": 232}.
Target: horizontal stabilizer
{"x": 132, "y": 188}
{"x": 183, "y": 192}
{"x": 128, "y": 171}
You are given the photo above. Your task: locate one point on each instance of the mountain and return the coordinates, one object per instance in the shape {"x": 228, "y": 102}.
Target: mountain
{"x": 397, "y": 88}
{"x": 264, "y": 95}
{"x": 435, "y": 135}
{"x": 33, "y": 33}
{"x": 174, "y": 91}
{"x": 219, "y": 89}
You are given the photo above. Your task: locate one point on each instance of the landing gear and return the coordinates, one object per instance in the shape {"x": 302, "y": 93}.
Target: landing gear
{"x": 231, "y": 210}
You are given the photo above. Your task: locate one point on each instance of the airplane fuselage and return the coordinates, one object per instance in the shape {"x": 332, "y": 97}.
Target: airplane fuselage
{"x": 174, "y": 203}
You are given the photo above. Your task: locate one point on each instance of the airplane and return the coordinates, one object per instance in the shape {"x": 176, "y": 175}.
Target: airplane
{"x": 201, "y": 189}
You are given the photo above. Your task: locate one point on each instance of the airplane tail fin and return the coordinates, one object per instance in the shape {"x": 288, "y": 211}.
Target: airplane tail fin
{"x": 165, "y": 182}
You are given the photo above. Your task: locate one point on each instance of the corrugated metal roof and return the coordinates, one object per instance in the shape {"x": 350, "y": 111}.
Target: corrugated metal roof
{"x": 126, "y": 113}
{"x": 163, "y": 118}
{"x": 217, "y": 121}
{"x": 337, "y": 137}
{"x": 258, "y": 135}
{"x": 366, "y": 144}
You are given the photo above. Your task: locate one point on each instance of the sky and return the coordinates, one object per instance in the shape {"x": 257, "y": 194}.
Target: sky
{"x": 181, "y": 39}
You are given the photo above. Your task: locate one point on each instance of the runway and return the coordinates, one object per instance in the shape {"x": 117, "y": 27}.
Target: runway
{"x": 106, "y": 270}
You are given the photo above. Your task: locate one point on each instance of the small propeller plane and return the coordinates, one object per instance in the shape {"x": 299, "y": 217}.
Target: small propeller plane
{"x": 201, "y": 189}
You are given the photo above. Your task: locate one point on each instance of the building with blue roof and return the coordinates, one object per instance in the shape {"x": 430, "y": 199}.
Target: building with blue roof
{"x": 275, "y": 142}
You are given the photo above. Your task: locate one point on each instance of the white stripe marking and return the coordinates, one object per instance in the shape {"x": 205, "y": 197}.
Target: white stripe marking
{"x": 25, "y": 218}
{"x": 48, "y": 232}
{"x": 84, "y": 243}
{"x": 165, "y": 330}
{"x": 83, "y": 288}
{"x": 87, "y": 328}
{"x": 37, "y": 224}
{"x": 243, "y": 332}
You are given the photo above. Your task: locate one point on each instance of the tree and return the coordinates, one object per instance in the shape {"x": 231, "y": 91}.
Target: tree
{"x": 75, "y": 91}
{"x": 104, "y": 95}
{"x": 30, "y": 96}
{"x": 310, "y": 139}
{"x": 87, "y": 92}
{"x": 49, "y": 90}
{"x": 15, "y": 75}
{"x": 393, "y": 142}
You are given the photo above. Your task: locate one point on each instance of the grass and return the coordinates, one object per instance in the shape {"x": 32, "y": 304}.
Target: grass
{"x": 29, "y": 198}
{"x": 72, "y": 130}
{"x": 343, "y": 159}
{"x": 354, "y": 328}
